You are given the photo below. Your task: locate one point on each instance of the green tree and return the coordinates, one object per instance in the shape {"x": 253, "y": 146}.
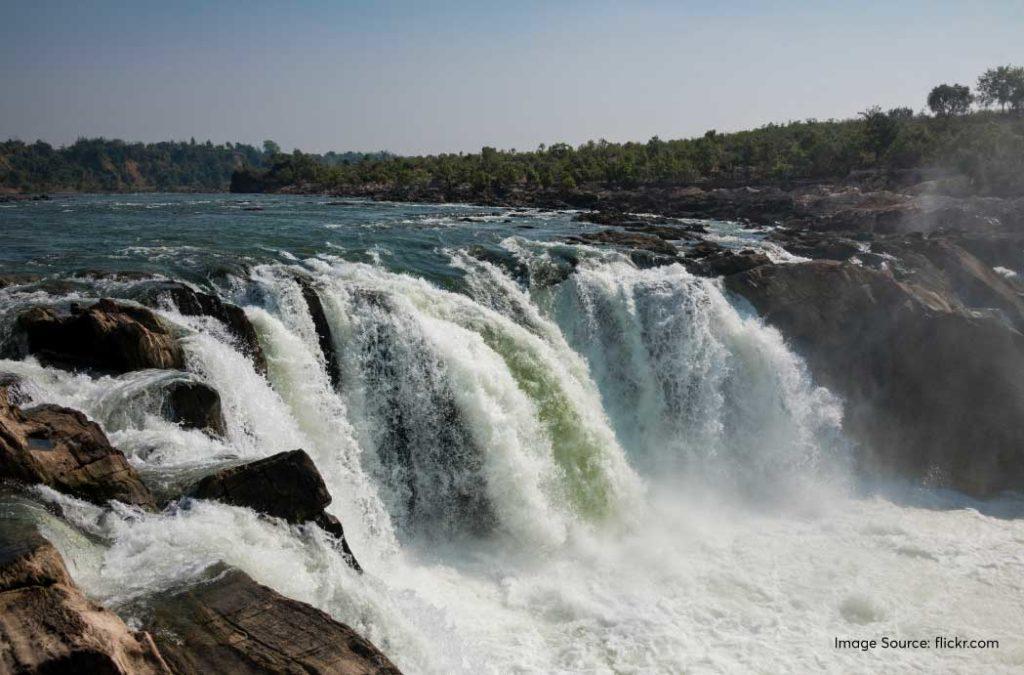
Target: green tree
{"x": 880, "y": 129}
{"x": 1003, "y": 85}
{"x": 947, "y": 100}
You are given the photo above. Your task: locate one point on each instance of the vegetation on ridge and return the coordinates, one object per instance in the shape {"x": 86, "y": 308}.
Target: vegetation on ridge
{"x": 986, "y": 147}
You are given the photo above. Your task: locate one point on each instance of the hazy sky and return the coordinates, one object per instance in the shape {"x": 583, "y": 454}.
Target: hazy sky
{"x": 415, "y": 77}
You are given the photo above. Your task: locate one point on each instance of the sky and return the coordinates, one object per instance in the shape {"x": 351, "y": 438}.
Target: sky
{"x": 427, "y": 77}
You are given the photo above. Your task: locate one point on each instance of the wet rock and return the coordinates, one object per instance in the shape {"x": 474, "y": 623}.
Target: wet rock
{"x": 708, "y": 259}
{"x": 725, "y": 263}
{"x": 17, "y": 279}
{"x": 48, "y": 626}
{"x": 12, "y": 387}
{"x": 63, "y": 449}
{"x": 286, "y": 485}
{"x": 662, "y": 227}
{"x": 228, "y": 623}
{"x": 194, "y": 405}
{"x": 632, "y": 240}
{"x": 816, "y": 245}
{"x": 323, "y": 330}
{"x": 191, "y": 302}
{"x": 933, "y": 390}
{"x": 108, "y": 337}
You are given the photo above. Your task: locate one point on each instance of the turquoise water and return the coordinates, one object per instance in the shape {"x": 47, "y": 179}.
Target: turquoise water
{"x": 195, "y": 236}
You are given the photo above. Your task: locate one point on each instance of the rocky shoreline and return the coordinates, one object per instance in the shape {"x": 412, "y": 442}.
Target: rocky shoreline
{"x": 220, "y": 621}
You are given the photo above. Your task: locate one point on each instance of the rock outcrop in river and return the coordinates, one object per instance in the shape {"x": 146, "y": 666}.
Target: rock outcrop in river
{"x": 191, "y": 302}
{"x": 107, "y": 336}
{"x": 228, "y": 623}
{"x": 286, "y": 485}
{"x": 62, "y": 448}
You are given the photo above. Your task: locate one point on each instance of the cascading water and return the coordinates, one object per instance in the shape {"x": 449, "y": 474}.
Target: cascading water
{"x": 546, "y": 459}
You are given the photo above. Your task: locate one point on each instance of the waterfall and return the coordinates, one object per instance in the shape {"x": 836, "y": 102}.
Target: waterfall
{"x": 692, "y": 381}
{"x": 511, "y": 456}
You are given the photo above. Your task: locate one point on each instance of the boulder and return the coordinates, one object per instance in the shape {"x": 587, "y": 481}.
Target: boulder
{"x": 48, "y": 626}
{"x": 18, "y": 279}
{"x": 816, "y": 245}
{"x": 228, "y": 623}
{"x": 631, "y": 240}
{"x": 709, "y": 259}
{"x": 191, "y": 302}
{"x": 194, "y": 405}
{"x": 63, "y": 449}
{"x": 108, "y": 337}
{"x": 323, "y": 330}
{"x": 933, "y": 391}
{"x": 286, "y": 485}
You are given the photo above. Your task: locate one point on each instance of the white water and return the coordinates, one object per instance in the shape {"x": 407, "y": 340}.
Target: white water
{"x": 619, "y": 472}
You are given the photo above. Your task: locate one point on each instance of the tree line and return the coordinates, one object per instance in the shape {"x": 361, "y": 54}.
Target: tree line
{"x": 983, "y": 145}
{"x": 979, "y": 135}
{"x": 110, "y": 165}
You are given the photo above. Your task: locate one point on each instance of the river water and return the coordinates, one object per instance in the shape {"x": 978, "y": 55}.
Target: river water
{"x": 545, "y": 457}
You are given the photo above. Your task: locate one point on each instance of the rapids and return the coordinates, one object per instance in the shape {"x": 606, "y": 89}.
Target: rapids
{"x": 546, "y": 458}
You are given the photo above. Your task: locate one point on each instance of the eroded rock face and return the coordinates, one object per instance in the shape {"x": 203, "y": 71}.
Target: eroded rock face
{"x": 108, "y": 337}
{"x": 286, "y": 485}
{"x": 191, "y": 302}
{"x": 228, "y": 623}
{"x": 940, "y": 263}
{"x": 63, "y": 449}
{"x": 48, "y": 626}
{"x": 194, "y": 405}
{"x": 934, "y": 391}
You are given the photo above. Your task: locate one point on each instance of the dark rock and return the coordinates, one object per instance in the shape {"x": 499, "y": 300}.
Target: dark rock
{"x": 107, "y": 337}
{"x": 17, "y": 279}
{"x": 12, "y": 386}
{"x": 816, "y": 245}
{"x": 286, "y": 485}
{"x": 668, "y": 232}
{"x": 660, "y": 226}
{"x": 194, "y": 405}
{"x": 323, "y": 330}
{"x": 933, "y": 391}
{"x": 938, "y": 263}
{"x": 63, "y": 449}
{"x": 704, "y": 249}
{"x": 231, "y": 624}
{"x": 727, "y": 262}
{"x": 633, "y": 240}
{"x": 191, "y": 302}
{"x": 49, "y": 626}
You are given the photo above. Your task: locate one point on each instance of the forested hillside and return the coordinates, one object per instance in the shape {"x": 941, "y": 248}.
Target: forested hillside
{"x": 986, "y": 149}
{"x": 105, "y": 165}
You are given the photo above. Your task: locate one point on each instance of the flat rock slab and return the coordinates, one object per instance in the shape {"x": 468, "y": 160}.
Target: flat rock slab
{"x": 48, "y": 626}
{"x": 231, "y": 624}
